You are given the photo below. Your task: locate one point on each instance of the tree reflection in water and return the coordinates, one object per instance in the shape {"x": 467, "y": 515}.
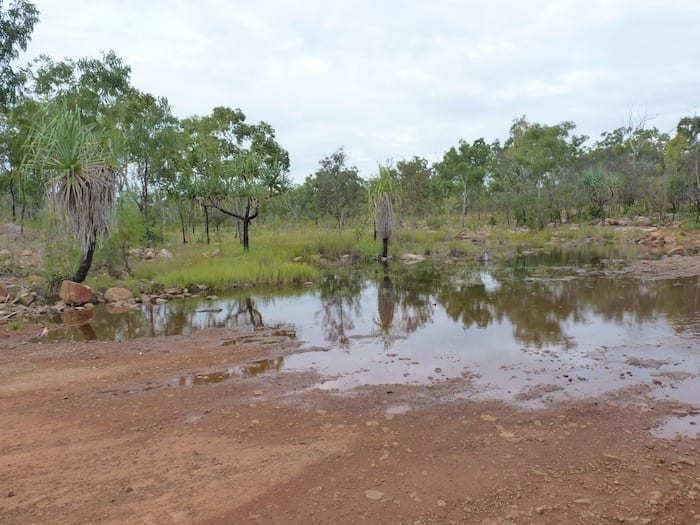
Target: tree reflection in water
{"x": 340, "y": 294}
{"x": 541, "y": 311}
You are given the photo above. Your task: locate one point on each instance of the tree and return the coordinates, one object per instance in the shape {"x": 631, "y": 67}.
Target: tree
{"x": 414, "y": 178}
{"x": 94, "y": 85}
{"x": 464, "y": 169}
{"x": 636, "y": 153}
{"x": 337, "y": 189}
{"x": 17, "y": 22}
{"x": 233, "y": 165}
{"x": 599, "y": 186}
{"x": 150, "y": 132}
{"x": 77, "y": 164}
{"x": 531, "y": 169}
{"x": 383, "y": 190}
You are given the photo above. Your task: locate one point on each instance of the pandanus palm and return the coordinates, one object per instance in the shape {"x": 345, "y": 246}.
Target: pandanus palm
{"x": 76, "y": 162}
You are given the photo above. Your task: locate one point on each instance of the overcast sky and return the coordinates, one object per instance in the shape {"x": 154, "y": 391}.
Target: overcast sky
{"x": 392, "y": 79}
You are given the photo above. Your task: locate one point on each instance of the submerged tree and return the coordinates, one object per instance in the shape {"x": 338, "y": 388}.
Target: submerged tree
{"x": 76, "y": 163}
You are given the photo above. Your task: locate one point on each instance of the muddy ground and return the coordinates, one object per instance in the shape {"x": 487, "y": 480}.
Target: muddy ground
{"x": 127, "y": 432}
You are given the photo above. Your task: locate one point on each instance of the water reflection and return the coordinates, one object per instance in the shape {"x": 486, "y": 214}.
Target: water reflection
{"x": 391, "y": 304}
{"x": 339, "y": 294}
{"x": 251, "y": 370}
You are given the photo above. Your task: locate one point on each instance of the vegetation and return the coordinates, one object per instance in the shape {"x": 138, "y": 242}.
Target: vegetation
{"x": 79, "y": 142}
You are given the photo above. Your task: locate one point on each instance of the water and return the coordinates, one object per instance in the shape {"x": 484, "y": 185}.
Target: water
{"x": 539, "y": 327}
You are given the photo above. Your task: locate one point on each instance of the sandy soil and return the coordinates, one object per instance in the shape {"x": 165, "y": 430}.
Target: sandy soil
{"x": 129, "y": 433}
{"x": 149, "y": 432}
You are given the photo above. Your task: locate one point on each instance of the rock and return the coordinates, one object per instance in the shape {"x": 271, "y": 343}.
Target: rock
{"x": 165, "y": 254}
{"x": 411, "y": 258}
{"x": 26, "y": 298}
{"x": 374, "y": 495}
{"x": 679, "y": 250}
{"x": 161, "y": 300}
{"x": 73, "y": 293}
{"x": 117, "y": 293}
{"x": 642, "y": 221}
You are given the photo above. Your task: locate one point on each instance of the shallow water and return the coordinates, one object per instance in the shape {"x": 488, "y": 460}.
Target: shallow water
{"x": 538, "y": 327}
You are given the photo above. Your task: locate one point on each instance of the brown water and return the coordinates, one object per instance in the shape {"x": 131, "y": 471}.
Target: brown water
{"x": 538, "y": 328}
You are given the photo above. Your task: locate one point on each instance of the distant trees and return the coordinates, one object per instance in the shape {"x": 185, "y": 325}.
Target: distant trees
{"x": 17, "y": 22}
{"x": 335, "y": 188}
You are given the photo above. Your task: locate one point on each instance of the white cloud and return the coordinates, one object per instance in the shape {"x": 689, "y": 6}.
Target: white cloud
{"x": 395, "y": 79}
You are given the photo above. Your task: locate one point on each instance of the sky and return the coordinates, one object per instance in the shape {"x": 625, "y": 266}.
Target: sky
{"x": 390, "y": 80}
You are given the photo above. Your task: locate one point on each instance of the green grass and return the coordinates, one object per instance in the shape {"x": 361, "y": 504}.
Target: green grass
{"x": 295, "y": 254}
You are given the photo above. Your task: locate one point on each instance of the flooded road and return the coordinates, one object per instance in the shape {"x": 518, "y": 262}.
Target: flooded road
{"x": 538, "y": 328}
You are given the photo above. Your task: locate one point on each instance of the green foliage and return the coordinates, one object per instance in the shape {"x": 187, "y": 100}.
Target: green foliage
{"x": 335, "y": 188}
{"x": 17, "y": 22}
{"x": 15, "y": 325}
{"x": 128, "y": 232}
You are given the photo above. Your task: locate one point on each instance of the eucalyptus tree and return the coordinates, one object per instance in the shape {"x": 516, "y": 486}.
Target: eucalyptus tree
{"x": 336, "y": 188}
{"x": 17, "y": 21}
{"x": 531, "y": 169}
{"x": 151, "y": 136}
{"x": 682, "y": 160}
{"x": 95, "y": 85}
{"x": 77, "y": 163}
{"x": 635, "y": 152}
{"x": 414, "y": 178}
{"x": 463, "y": 170}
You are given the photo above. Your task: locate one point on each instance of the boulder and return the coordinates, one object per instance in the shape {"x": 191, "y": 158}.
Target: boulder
{"x": 165, "y": 254}
{"x": 73, "y": 293}
{"x": 117, "y": 293}
{"x": 642, "y": 221}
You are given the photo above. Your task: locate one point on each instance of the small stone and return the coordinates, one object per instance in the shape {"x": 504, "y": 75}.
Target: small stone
{"x": 374, "y": 495}
{"x": 372, "y": 423}
{"x": 11, "y": 494}
{"x": 488, "y": 417}
{"x": 582, "y": 501}
{"x": 441, "y": 503}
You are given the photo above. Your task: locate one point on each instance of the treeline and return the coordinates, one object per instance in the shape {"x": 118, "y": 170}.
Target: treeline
{"x": 193, "y": 174}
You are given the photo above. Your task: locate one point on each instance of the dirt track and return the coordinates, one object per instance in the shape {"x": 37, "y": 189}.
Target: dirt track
{"x": 122, "y": 433}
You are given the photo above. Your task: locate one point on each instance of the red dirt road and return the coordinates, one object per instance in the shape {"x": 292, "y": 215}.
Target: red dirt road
{"x": 121, "y": 433}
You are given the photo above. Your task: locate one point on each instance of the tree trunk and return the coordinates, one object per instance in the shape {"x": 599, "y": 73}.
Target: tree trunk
{"x": 385, "y": 248}
{"x": 206, "y": 221}
{"x": 183, "y": 227}
{"x": 85, "y": 265}
{"x": 246, "y": 223}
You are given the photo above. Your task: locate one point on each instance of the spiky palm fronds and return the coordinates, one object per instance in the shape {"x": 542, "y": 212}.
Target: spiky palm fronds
{"x": 75, "y": 163}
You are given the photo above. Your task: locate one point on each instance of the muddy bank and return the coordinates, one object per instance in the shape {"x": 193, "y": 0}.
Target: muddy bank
{"x": 120, "y": 433}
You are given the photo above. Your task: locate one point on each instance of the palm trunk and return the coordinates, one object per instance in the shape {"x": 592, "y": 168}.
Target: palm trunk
{"x": 85, "y": 265}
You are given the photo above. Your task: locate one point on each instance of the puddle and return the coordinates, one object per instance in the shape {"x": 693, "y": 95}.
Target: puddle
{"x": 541, "y": 327}
{"x": 253, "y": 369}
